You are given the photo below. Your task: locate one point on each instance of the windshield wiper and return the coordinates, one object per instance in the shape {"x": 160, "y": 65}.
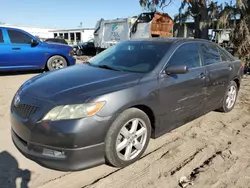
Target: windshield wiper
{"x": 86, "y": 62}
{"x": 101, "y": 66}
{"x": 107, "y": 67}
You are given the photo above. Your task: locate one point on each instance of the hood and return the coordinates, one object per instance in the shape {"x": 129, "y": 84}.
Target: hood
{"x": 77, "y": 81}
{"x": 57, "y": 45}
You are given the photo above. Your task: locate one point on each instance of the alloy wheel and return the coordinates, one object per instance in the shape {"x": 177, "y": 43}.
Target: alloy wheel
{"x": 58, "y": 64}
{"x": 131, "y": 139}
{"x": 231, "y": 96}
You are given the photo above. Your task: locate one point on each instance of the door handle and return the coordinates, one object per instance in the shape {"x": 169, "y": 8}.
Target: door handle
{"x": 202, "y": 76}
{"x": 230, "y": 68}
{"x": 16, "y": 48}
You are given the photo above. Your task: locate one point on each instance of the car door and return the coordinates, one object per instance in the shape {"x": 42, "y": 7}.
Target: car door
{"x": 23, "y": 54}
{"x": 218, "y": 72}
{"x": 182, "y": 95}
{"x": 4, "y": 51}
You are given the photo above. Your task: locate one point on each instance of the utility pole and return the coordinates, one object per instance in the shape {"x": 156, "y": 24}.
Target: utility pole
{"x": 80, "y": 25}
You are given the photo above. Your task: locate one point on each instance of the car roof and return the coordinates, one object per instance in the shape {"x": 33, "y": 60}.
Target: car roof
{"x": 170, "y": 40}
{"x": 54, "y": 39}
{"x": 11, "y": 28}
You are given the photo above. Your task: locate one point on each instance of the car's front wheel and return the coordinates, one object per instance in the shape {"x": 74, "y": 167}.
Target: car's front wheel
{"x": 56, "y": 62}
{"x": 79, "y": 52}
{"x": 127, "y": 138}
{"x": 230, "y": 97}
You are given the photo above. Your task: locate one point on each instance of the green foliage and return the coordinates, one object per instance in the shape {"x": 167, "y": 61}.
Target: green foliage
{"x": 205, "y": 12}
{"x": 153, "y": 5}
{"x": 240, "y": 35}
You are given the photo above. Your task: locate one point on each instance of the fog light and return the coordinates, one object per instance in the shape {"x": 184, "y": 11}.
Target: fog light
{"x": 54, "y": 153}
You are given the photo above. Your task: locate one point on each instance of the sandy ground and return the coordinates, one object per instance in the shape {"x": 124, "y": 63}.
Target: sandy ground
{"x": 212, "y": 151}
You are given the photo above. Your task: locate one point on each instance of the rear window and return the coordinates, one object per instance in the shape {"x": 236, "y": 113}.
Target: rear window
{"x": 50, "y": 40}
{"x": 1, "y": 36}
{"x": 56, "y": 41}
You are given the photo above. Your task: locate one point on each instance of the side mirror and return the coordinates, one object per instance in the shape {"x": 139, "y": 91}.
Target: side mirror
{"x": 34, "y": 42}
{"x": 178, "y": 69}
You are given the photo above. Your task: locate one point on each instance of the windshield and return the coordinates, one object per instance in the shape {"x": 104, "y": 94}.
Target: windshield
{"x": 132, "y": 56}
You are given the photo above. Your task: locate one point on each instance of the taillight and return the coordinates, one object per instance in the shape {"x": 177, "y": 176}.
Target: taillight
{"x": 242, "y": 66}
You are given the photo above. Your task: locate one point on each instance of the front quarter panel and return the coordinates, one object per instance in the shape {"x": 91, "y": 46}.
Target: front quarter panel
{"x": 62, "y": 50}
{"x": 144, "y": 93}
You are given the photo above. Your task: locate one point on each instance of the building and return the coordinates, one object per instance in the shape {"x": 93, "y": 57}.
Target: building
{"x": 39, "y": 32}
{"x": 74, "y": 36}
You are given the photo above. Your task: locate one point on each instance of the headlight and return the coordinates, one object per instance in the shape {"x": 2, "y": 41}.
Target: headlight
{"x": 74, "y": 111}
{"x": 71, "y": 52}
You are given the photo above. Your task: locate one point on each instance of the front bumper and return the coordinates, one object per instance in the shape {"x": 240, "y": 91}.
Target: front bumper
{"x": 67, "y": 145}
{"x": 71, "y": 60}
{"x": 73, "y": 160}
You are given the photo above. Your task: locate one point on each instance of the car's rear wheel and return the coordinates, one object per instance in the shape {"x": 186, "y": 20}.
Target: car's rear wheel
{"x": 56, "y": 62}
{"x": 230, "y": 97}
{"x": 127, "y": 138}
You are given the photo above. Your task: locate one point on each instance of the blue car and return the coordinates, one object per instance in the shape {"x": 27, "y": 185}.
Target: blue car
{"x": 20, "y": 50}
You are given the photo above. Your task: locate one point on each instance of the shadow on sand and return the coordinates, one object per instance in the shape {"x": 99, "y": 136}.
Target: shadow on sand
{"x": 15, "y": 73}
{"x": 10, "y": 172}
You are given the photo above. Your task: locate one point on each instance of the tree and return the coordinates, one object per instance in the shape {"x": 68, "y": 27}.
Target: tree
{"x": 153, "y": 5}
{"x": 240, "y": 35}
{"x": 202, "y": 11}
{"x": 207, "y": 12}
{"x": 199, "y": 11}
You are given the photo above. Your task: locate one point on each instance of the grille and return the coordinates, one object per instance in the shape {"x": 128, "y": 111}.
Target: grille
{"x": 25, "y": 111}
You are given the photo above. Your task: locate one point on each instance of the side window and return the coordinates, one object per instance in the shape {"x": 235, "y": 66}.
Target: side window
{"x": 1, "y": 36}
{"x": 211, "y": 54}
{"x": 187, "y": 54}
{"x": 18, "y": 37}
{"x": 223, "y": 56}
{"x": 229, "y": 56}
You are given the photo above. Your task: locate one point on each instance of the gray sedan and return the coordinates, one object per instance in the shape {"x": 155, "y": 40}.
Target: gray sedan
{"x": 106, "y": 110}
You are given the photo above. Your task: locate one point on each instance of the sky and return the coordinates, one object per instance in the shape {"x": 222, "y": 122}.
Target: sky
{"x": 69, "y": 13}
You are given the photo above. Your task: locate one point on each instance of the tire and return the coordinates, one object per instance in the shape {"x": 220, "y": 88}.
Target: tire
{"x": 79, "y": 52}
{"x": 115, "y": 137}
{"x": 56, "y": 62}
{"x": 229, "y": 96}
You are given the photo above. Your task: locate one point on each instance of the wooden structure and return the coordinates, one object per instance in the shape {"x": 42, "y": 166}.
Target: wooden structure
{"x": 162, "y": 25}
